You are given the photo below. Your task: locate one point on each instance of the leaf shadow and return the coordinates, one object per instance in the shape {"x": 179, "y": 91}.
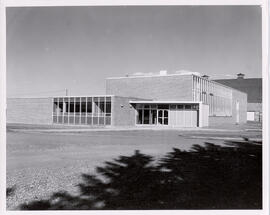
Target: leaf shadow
{"x": 206, "y": 177}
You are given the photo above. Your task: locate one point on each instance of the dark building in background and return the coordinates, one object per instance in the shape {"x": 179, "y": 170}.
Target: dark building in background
{"x": 253, "y": 88}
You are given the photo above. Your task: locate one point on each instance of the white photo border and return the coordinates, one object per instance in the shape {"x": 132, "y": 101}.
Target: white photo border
{"x": 265, "y": 74}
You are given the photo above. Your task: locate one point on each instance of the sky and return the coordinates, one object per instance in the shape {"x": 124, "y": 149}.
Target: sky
{"x": 51, "y": 49}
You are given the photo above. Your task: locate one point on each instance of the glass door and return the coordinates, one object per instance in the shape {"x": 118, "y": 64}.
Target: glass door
{"x": 163, "y": 117}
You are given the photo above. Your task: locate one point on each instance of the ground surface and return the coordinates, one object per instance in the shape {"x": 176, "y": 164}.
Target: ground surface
{"x": 42, "y": 160}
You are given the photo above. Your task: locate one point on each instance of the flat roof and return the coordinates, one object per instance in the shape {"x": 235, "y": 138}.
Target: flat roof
{"x": 82, "y": 96}
{"x": 163, "y": 102}
{"x": 148, "y": 76}
{"x": 49, "y": 97}
{"x": 175, "y": 74}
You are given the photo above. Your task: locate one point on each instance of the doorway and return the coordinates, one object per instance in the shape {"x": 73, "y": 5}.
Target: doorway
{"x": 163, "y": 117}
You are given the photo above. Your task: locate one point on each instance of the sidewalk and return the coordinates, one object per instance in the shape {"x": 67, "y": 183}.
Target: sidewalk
{"x": 79, "y": 129}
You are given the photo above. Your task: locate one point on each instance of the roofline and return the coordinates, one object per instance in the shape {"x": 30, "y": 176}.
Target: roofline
{"x": 149, "y": 76}
{"x": 60, "y": 97}
{"x": 158, "y": 75}
{"x": 220, "y": 84}
{"x": 163, "y": 102}
{"x": 104, "y": 95}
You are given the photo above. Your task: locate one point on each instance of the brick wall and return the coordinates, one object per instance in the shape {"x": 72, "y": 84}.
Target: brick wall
{"x": 174, "y": 87}
{"x": 29, "y": 110}
{"x": 123, "y": 114}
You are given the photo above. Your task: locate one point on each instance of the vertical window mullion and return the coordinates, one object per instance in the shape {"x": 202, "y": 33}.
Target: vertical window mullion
{"x": 68, "y": 101}
{"x": 98, "y": 109}
{"x": 105, "y": 110}
{"x": 57, "y": 110}
{"x": 80, "y": 120}
{"x": 74, "y": 110}
{"x": 86, "y": 113}
{"x": 93, "y": 110}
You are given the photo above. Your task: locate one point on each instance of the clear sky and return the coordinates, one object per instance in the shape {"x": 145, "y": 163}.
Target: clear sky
{"x": 50, "y": 49}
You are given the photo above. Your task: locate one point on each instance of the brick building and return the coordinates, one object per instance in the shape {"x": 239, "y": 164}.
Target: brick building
{"x": 178, "y": 100}
{"x": 253, "y": 88}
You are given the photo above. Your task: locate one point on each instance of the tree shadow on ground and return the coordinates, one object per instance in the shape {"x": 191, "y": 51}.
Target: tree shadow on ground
{"x": 207, "y": 177}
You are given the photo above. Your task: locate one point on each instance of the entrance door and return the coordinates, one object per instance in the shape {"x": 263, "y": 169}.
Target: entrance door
{"x": 163, "y": 117}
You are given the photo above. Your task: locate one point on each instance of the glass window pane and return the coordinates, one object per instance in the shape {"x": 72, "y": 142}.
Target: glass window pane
{"x": 173, "y": 107}
{"x": 71, "y": 119}
{"x": 195, "y": 107}
{"x": 101, "y": 120}
{"x": 139, "y": 117}
{"x": 89, "y": 105}
{"x": 153, "y": 117}
{"x": 96, "y": 108}
{"x": 77, "y": 119}
{"x": 165, "y": 121}
{"x": 101, "y": 99}
{"x": 65, "y": 119}
{"x": 55, "y": 105}
{"x": 180, "y": 107}
{"x": 60, "y": 119}
{"x": 66, "y": 104}
{"x": 108, "y": 120}
{"x": 163, "y": 106}
{"x": 77, "y": 105}
{"x": 60, "y": 105}
{"x": 95, "y": 120}
{"x": 71, "y": 105}
{"x": 139, "y": 106}
{"x": 83, "y": 119}
{"x": 83, "y": 106}
{"x": 101, "y": 107}
{"x": 89, "y": 120}
{"x": 165, "y": 113}
{"x": 108, "y": 99}
{"x": 55, "y": 119}
{"x": 187, "y": 107}
{"x": 146, "y": 117}
{"x": 108, "y": 107}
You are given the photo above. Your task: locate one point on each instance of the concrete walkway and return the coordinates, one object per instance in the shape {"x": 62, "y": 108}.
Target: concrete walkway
{"x": 79, "y": 128}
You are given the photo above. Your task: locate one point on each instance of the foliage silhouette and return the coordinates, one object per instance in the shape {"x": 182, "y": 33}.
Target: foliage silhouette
{"x": 207, "y": 177}
{"x": 10, "y": 191}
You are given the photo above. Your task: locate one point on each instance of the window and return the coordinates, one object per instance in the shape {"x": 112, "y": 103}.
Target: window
{"x": 108, "y": 107}
{"x": 146, "y": 115}
{"x": 163, "y": 106}
{"x": 89, "y": 105}
{"x": 79, "y": 110}
{"x": 180, "y": 107}
{"x": 217, "y": 96}
{"x": 187, "y": 107}
{"x": 173, "y": 107}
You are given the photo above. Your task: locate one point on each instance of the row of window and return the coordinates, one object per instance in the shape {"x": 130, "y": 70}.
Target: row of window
{"x": 82, "y": 110}
{"x": 218, "y": 97}
{"x": 150, "y": 114}
{"x": 171, "y": 107}
{"x": 152, "y": 117}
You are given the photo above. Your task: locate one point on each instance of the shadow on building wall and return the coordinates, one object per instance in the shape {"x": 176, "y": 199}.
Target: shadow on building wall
{"x": 209, "y": 177}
